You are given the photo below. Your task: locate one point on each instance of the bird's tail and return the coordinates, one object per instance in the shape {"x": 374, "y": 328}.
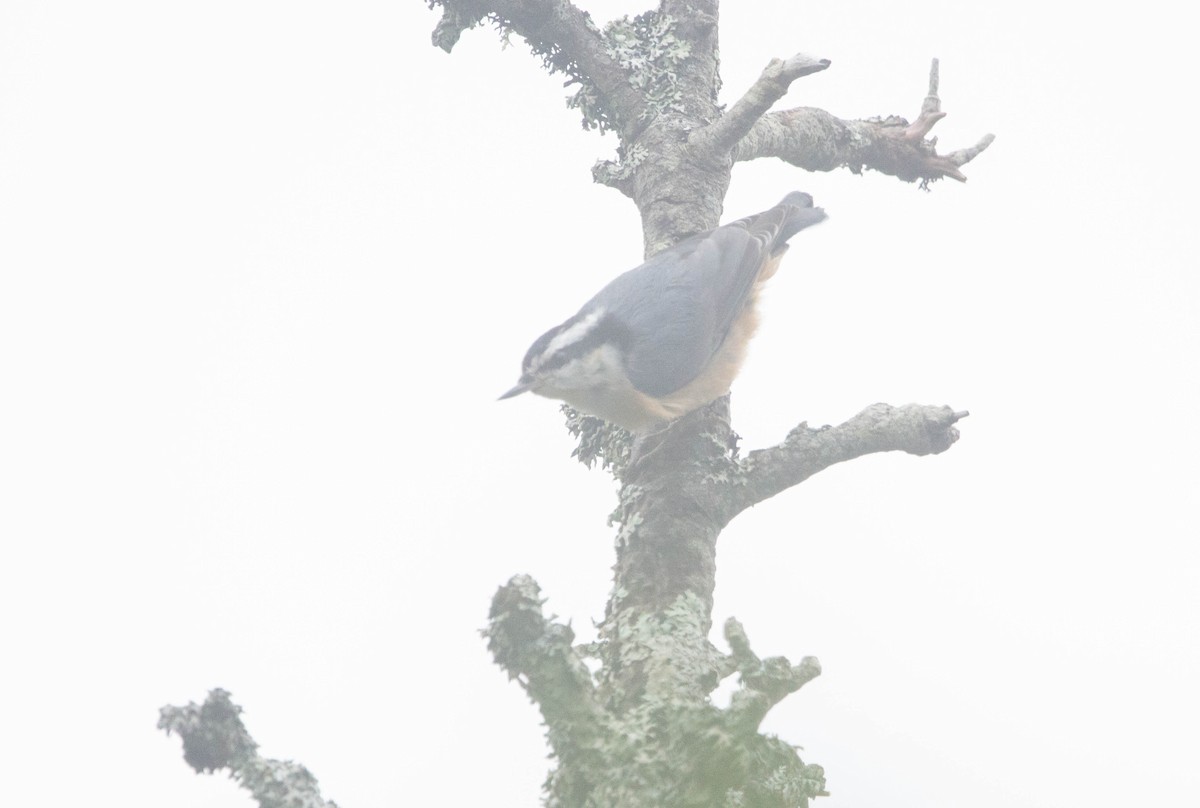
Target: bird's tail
{"x": 772, "y": 228}
{"x": 795, "y": 212}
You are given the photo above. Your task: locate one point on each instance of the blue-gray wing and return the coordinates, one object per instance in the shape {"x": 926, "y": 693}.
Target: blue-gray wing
{"x": 678, "y": 307}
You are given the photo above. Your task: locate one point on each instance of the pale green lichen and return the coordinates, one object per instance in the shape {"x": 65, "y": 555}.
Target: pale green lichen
{"x": 656, "y": 746}
{"x": 616, "y": 172}
{"x": 628, "y": 529}
{"x": 647, "y": 48}
{"x": 796, "y": 784}
{"x": 628, "y": 502}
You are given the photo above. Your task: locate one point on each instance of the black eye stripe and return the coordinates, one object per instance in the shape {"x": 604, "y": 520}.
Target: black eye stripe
{"x": 607, "y": 330}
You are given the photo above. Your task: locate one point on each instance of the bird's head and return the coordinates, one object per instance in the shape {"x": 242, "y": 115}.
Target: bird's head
{"x": 584, "y": 352}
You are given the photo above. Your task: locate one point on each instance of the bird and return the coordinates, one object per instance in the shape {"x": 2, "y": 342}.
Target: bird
{"x": 668, "y": 336}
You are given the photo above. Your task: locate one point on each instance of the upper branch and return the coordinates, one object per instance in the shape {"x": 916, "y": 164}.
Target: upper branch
{"x": 913, "y": 428}
{"x": 563, "y": 34}
{"x": 719, "y": 138}
{"x": 815, "y": 140}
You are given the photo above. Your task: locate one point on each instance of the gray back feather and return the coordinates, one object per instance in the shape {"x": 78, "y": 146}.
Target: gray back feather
{"x": 680, "y": 305}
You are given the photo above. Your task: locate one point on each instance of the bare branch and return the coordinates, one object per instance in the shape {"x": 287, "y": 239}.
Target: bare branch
{"x": 215, "y": 738}
{"x": 719, "y": 138}
{"x": 931, "y": 108}
{"x": 815, "y": 140}
{"x": 913, "y": 428}
{"x": 964, "y": 156}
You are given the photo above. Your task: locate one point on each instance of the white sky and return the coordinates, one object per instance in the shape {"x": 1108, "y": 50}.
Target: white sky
{"x": 264, "y": 267}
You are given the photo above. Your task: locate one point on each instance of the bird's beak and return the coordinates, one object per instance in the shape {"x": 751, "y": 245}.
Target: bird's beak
{"x": 522, "y": 387}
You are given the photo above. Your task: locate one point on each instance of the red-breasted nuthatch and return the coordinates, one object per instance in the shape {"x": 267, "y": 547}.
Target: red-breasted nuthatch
{"x": 669, "y": 336}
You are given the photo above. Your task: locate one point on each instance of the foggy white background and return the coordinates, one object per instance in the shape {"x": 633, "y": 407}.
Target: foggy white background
{"x": 265, "y": 266}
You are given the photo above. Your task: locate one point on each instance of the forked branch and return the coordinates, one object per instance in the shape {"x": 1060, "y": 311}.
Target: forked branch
{"x": 815, "y": 140}
{"x": 719, "y": 137}
{"x": 765, "y": 682}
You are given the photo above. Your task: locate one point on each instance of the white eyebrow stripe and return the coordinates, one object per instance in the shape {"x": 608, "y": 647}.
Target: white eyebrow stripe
{"x": 572, "y": 334}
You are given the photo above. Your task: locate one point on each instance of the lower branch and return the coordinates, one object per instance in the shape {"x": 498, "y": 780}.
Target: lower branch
{"x": 215, "y": 738}
{"x": 537, "y": 652}
{"x": 914, "y": 428}
{"x": 765, "y": 682}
